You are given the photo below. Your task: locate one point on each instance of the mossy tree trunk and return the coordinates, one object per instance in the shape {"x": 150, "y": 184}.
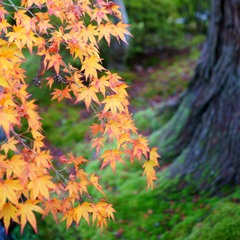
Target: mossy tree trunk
{"x": 203, "y": 135}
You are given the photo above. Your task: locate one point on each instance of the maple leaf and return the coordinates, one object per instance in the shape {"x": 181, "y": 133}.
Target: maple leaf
{"x": 69, "y": 215}
{"x": 4, "y": 82}
{"x": 53, "y": 206}
{"x": 111, "y": 157}
{"x": 43, "y": 22}
{"x": 94, "y": 181}
{"x": 9, "y": 190}
{"x": 88, "y": 94}
{"x": 8, "y": 213}
{"x": 140, "y": 147}
{"x": 113, "y": 9}
{"x": 112, "y": 129}
{"x": 55, "y": 61}
{"x": 8, "y": 118}
{"x": 154, "y": 156}
{"x": 150, "y": 172}
{"x": 105, "y": 30}
{"x": 120, "y": 31}
{"x": 60, "y": 94}
{"x": 96, "y": 128}
{"x": 16, "y": 165}
{"x": 4, "y": 25}
{"x": 114, "y": 103}
{"x": 29, "y": 109}
{"x": 101, "y": 84}
{"x": 41, "y": 185}
{"x": 98, "y": 143}
{"x": 43, "y": 159}
{"x": 88, "y": 34}
{"x": 25, "y": 211}
{"x": 91, "y": 65}
{"x": 83, "y": 210}
{"x": 76, "y": 160}
{"x": 18, "y": 36}
{"x": 99, "y": 14}
{"x": 9, "y": 145}
{"x": 149, "y": 167}
{"x": 72, "y": 188}
{"x": 101, "y": 211}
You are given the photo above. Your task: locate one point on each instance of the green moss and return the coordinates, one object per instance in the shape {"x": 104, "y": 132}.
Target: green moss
{"x": 223, "y": 223}
{"x": 63, "y": 125}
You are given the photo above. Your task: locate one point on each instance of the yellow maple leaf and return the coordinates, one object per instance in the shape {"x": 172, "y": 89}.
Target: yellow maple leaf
{"x": 82, "y": 210}
{"x": 9, "y": 117}
{"x": 101, "y": 84}
{"x": 8, "y": 213}
{"x": 94, "y": 181}
{"x": 41, "y": 185}
{"x": 150, "y": 172}
{"x": 102, "y": 211}
{"x": 91, "y": 65}
{"x": 114, "y": 103}
{"x": 73, "y": 188}
{"x": 149, "y": 167}
{"x": 120, "y": 30}
{"x": 3, "y": 82}
{"x": 15, "y": 166}
{"x": 9, "y": 190}
{"x": 69, "y": 215}
{"x": 9, "y": 145}
{"x": 105, "y": 30}
{"x": 25, "y": 211}
{"x": 87, "y": 94}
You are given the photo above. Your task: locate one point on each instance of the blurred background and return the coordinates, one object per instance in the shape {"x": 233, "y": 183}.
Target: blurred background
{"x": 159, "y": 65}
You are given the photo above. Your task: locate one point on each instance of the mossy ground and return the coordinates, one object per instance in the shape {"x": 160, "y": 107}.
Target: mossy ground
{"x": 170, "y": 211}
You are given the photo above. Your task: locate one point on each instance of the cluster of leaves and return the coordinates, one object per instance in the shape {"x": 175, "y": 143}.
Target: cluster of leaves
{"x": 31, "y": 180}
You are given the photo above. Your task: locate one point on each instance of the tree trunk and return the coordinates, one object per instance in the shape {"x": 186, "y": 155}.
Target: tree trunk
{"x": 119, "y": 50}
{"x": 203, "y": 135}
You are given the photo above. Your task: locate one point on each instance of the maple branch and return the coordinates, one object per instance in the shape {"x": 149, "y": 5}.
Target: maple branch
{"x": 12, "y": 4}
{"x": 21, "y": 140}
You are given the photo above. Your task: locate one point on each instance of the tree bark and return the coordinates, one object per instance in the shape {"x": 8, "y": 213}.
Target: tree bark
{"x": 119, "y": 50}
{"x": 203, "y": 135}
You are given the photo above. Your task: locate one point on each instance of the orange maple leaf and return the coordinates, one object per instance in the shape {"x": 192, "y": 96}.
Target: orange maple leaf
{"x": 53, "y": 206}
{"x": 111, "y": 157}
{"x": 60, "y": 94}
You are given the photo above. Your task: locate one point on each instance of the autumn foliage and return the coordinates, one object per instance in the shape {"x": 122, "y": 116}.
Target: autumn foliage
{"x": 31, "y": 180}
